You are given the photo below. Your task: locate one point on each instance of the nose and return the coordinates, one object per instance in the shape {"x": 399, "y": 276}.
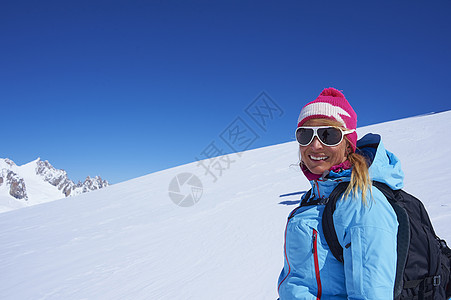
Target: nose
{"x": 316, "y": 144}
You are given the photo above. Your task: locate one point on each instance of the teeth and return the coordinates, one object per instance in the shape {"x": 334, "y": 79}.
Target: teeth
{"x": 318, "y": 157}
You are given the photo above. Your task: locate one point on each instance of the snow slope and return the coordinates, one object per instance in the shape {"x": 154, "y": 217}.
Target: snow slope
{"x": 130, "y": 241}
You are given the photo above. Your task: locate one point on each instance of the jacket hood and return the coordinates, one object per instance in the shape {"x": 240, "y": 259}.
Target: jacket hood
{"x": 384, "y": 165}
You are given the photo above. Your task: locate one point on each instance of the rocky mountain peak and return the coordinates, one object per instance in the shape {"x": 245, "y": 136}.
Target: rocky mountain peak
{"x": 14, "y": 180}
{"x": 55, "y": 177}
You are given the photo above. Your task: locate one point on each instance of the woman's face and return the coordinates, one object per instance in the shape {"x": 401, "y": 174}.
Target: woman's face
{"x": 319, "y": 158}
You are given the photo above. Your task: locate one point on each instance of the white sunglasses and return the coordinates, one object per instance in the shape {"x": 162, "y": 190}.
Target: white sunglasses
{"x": 327, "y": 135}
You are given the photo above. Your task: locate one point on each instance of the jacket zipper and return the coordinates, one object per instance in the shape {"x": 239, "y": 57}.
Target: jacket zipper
{"x": 315, "y": 257}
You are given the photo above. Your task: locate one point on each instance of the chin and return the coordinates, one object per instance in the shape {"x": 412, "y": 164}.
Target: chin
{"x": 317, "y": 171}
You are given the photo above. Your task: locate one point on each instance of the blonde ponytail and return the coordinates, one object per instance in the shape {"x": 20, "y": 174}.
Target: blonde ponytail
{"x": 360, "y": 177}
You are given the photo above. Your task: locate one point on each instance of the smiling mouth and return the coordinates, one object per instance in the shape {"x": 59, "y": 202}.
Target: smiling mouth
{"x": 318, "y": 158}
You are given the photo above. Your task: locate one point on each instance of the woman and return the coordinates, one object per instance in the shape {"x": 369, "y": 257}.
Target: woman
{"x": 365, "y": 222}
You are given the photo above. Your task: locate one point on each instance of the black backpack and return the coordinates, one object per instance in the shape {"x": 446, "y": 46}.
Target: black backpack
{"x": 423, "y": 259}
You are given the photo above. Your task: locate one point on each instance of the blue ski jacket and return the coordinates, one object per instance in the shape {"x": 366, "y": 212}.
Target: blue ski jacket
{"x": 367, "y": 233}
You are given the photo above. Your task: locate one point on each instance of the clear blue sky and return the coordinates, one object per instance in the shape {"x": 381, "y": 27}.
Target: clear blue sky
{"x": 126, "y": 88}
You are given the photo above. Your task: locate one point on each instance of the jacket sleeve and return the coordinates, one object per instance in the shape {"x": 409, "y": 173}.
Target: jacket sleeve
{"x": 367, "y": 232}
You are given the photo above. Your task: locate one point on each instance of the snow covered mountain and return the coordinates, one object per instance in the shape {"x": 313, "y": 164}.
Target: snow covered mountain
{"x": 131, "y": 241}
{"x": 38, "y": 182}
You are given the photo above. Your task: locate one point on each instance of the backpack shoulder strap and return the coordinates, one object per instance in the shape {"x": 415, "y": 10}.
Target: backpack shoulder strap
{"x": 306, "y": 198}
{"x": 328, "y": 223}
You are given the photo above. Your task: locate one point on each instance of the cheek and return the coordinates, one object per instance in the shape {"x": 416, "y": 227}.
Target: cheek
{"x": 301, "y": 152}
{"x": 340, "y": 153}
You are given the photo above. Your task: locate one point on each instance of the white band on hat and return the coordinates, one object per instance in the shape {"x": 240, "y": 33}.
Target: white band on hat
{"x": 323, "y": 109}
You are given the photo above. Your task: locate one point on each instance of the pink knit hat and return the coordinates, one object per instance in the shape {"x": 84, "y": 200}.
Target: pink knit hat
{"x": 331, "y": 104}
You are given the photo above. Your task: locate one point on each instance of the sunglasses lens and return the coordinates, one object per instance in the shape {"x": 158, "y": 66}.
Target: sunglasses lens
{"x": 304, "y": 135}
{"x": 329, "y": 136}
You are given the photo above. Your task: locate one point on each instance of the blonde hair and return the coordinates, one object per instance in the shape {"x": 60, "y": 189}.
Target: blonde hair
{"x": 360, "y": 176}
